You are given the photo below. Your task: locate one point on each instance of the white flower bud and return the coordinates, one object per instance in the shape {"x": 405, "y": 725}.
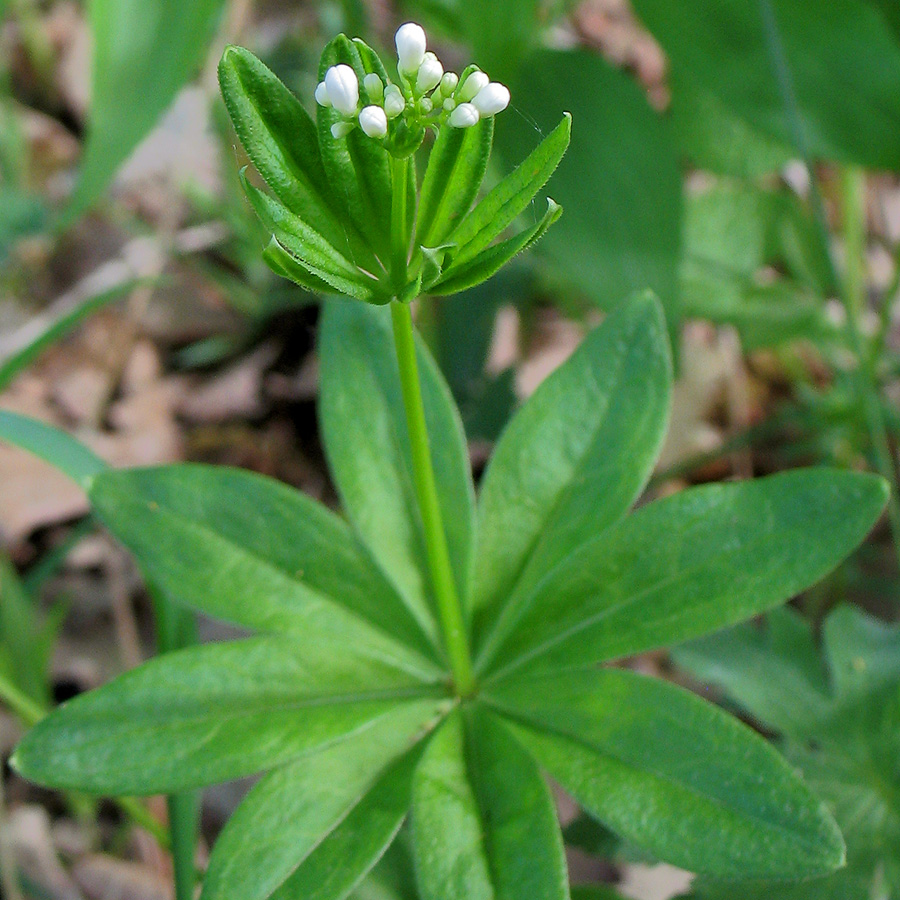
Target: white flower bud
{"x": 476, "y": 82}
{"x": 374, "y": 87}
{"x": 464, "y": 116}
{"x": 430, "y": 74}
{"x": 341, "y": 129}
{"x": 394, "y": 101}
{"x": 449, "y": 104}
{"x": 449, "y": 83}
{"x": 322, "y": 97}
{"x": 343, "y": 89}
{"x": 373, "y": 121}
{"x": 425, "y": 106}
{"x": 492, "y": 99}
{"x": 411, "y": 43}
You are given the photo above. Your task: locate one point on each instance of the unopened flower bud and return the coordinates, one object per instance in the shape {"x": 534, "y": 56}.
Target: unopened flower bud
{"x": 374, "y": 87}
{"x": 411, "y": 43}
{"x": 342, "y": 86}
{"x": 341, "y": 129}
{"x": 373, "y": 121}
{"x": 492, "y": 99}
{"x": 464, "y": 116}
{"x": 425, "y": 106}
{"x": 430, "y": 74}
{"x": 476, "y": 82}
{"x": 322, "y": 97}
{"x": 394, "y": 101}
{"x": 449, "y": 83}
{"x": 449, "y": 104}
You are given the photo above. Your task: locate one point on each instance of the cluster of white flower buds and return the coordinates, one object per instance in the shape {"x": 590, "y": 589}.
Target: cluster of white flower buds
{"x": 426, "y": 95}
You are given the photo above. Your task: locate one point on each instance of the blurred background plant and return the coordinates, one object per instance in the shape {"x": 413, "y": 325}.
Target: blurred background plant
{"x": 739, "y": 157}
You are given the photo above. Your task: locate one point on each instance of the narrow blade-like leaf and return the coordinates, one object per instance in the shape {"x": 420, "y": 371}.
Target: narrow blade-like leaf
{"x": 312, "y": 829}
{"x": 484, "y": 822}
{"x": 367, "y": 444}
{"x": 575, "y": 458}
{"x": 487, "y": 263}
{"x": 455, "y": 171}
{"x": 51, "y": 444}
{"x": 691, "y": 564}
{"x": 282, "y": 141}
{"x": 252, "y": 551}
{"x": 674, "y": 774}
{"x": 358, "y": 168}
{"x": 207, "y": 714}
{"x": 282, "y": 263}
{"x": 500, "y": 208}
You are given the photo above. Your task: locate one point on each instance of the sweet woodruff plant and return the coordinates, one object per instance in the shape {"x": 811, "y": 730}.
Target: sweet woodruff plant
{"x": 427, "y": 656}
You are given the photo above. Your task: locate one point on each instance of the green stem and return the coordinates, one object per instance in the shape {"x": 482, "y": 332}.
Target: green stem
{"x": 443, "y": 583}
{"x": 853, "y": 193}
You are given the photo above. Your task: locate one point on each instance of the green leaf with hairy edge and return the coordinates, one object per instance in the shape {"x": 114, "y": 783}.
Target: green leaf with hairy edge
{"x": 461, "y": 277}
{"x": 318, "y": 825}
{"x": 367, "y": 445}
{"x": 691, "y": 564}
{"x": 195, "y": 717}
{"x": 56, "y": 447}
{"x": 455, "y": 171}
{"x": 309, "y": 248}
{"x": 574, "y": 459}
{"x": 282, "y": 263}
{"x": 839, "y": 59}
{"x": 282, "y": 141}
{"x": 484, "y": 823}
{"x": 494, "y": 213}
{"x": 620, "y": 182}
{"x": 673, "y": 773}
{"x": 252, "y": 551}
{"x": 144, "y": 52}
{"x": 358, "y": 167}
{"x": 775, "y": 672}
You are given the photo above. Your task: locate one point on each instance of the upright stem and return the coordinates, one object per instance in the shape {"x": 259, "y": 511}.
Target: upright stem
{"x": 443, "y": 583}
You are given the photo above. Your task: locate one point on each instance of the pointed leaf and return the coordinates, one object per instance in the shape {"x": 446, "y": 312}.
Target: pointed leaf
{"x": 487, "y": 263}
{"x": 52, "y": 445}
{"x": 282, "y": 141}
{"x": 500, "y": 208}
{"x": 282, "y": 263}
{"x": 674, "y": 774}
{"x": 313, "y": 828}
{"x": 358, "y": 167}
{"x": 484, "y": 822}
{"x": 693, "y": 563}
{"x": 575, "y": 458}
{"x": 367, "y": 445}
{"x": 309, "y": 248}
{"x": 207, "y": 714}
{"x": 455, "y": 171}
{"x": 252, "y": 551}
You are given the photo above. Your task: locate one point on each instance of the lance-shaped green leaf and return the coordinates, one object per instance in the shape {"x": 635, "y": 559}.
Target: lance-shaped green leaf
{"x": 774, "y": 672}
{"x": 367, "y": 444}
{"x": 460, "y": 277}
{"x": 252, "y": 551}
{"x": 455, "y": 171}
{"x": 673, "y": 773}
{"x": 484, "y": 823}
{"x": 212, "y": 713}
{"x": 574, "y": 459}
{"x": 358, "y": 168}
{"x": 282, "y": 141}
{"x": 282, "y": 263}
{"x": 310, "y": 250}
{"x": 691, "y": 564}
{"x": 313, "y": 828}
{"x": 500, "y": 208}
{"x": 56, "y": 447}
